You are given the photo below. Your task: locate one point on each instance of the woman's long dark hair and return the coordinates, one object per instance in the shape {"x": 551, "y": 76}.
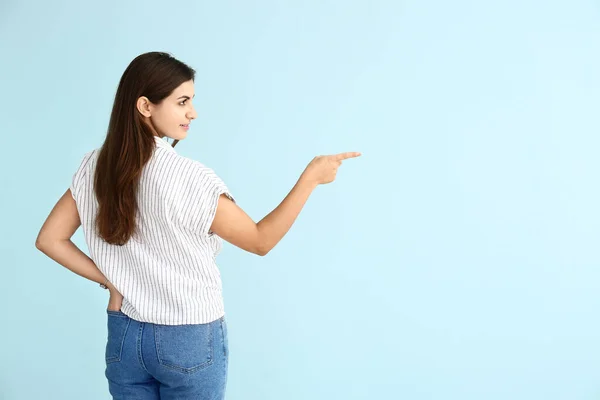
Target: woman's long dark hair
{"x": 130, "y": 142}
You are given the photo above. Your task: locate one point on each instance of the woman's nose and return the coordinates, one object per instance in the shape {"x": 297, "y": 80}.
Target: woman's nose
{"x": 192, "y": 114}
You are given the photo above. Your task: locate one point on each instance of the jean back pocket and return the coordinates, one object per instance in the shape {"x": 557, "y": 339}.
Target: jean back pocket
{"x": 185, "y": 348}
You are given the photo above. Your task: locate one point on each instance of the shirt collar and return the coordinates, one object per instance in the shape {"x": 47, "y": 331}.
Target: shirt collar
{"x": 162, "y": 143}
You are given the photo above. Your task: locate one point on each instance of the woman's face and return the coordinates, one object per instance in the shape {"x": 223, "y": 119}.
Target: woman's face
{"x": 173, "y": 115}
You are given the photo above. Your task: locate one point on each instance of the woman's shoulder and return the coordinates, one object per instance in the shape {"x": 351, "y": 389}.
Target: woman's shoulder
{"x": 87, "y": 160}
{"x": 187, "y": 164}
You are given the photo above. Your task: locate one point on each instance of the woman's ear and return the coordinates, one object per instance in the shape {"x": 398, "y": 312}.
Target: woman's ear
{"x": 143, "y": 106}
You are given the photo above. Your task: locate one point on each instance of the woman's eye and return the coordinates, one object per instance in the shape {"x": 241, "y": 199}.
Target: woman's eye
{"x": 183, "y": 102}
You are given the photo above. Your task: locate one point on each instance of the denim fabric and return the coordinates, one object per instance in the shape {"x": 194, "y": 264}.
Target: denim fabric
{"x": 148, "y": 361}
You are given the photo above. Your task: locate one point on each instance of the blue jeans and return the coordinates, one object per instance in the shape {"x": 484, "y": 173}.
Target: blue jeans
{"x": 148, "y": 361}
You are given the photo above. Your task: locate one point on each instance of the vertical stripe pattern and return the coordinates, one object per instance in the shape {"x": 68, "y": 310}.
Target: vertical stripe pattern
{"x": 167, "y": 271}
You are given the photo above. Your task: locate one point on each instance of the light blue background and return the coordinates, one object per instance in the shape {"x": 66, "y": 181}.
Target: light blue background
{"x": 458, "y": 258}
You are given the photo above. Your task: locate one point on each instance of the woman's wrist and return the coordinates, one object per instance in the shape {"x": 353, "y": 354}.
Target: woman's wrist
{"x": 109, "y": 286}
{"x": 104, "y": 285}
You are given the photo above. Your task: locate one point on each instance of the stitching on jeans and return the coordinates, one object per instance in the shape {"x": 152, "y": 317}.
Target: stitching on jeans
{"x": 223, "y": 336}
{"x": 139, "y": 347}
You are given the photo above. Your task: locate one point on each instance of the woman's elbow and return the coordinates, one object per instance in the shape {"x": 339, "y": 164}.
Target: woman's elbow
{"x": 261, "y": 249}
{"x": 261, "y": 252}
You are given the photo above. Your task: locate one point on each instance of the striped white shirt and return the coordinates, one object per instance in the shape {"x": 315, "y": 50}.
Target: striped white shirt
{"x": 166, "y": 272}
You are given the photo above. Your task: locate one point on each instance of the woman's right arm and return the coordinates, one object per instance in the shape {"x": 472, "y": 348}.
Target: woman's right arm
{"x": 232, "y": 224}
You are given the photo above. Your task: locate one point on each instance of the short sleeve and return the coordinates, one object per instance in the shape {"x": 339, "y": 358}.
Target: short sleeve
{"x": 201, "y": 198}
{"x": 79, "y": 176}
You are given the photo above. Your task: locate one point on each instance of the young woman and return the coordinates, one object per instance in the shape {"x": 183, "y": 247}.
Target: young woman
{"x": 154, "y": 222}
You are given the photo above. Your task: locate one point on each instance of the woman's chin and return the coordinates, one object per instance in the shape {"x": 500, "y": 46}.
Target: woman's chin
{"x": 178, "y": 135}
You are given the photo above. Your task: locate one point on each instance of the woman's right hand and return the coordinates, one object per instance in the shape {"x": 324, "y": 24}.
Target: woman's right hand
{"x": 323, "y": 169}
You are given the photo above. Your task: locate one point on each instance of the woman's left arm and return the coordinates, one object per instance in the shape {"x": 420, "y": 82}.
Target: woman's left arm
{"x": 54, "y": 240}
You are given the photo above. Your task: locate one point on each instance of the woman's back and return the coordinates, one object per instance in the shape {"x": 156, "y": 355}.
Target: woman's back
{"x": 166, "y": 272}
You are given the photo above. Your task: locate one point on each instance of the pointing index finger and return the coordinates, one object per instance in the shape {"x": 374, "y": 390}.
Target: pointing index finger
{"x": 344, "y": 156}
